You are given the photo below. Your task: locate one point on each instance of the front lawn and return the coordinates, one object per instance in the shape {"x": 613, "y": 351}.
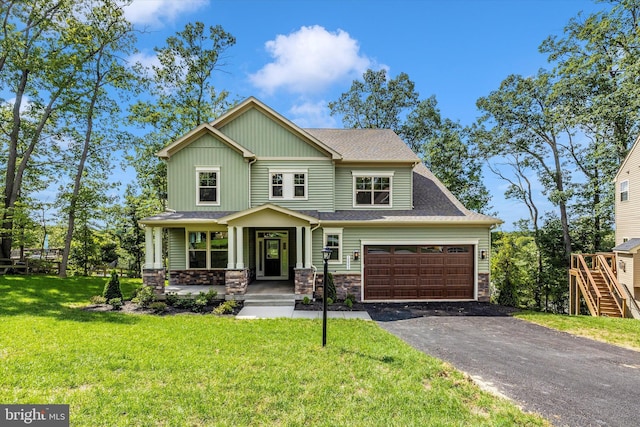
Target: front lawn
{"x": 123, "y": 369}
{"x": 622, "y": 332}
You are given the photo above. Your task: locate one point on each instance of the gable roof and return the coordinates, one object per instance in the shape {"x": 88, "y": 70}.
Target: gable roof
{"x": 366, "y": 145}
{"x": 252, "y": 102}
{"x": 626, "y": 159}
{"x": 270, "y": 207}
{"x": 196, "y": 133}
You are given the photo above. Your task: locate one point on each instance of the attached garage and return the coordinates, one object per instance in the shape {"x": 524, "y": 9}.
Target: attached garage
{"x": 419, "y": 272}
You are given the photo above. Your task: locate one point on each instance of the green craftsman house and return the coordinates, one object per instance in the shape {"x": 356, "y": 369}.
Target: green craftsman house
{"x": 253, "y": 197}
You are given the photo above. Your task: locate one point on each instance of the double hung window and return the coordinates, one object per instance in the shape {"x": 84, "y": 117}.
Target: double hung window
{"x": 207, "y": 249}
{"x": 372, "y": 190}
{"x": 208, "y": 186}
{"x": 288, "y": 185}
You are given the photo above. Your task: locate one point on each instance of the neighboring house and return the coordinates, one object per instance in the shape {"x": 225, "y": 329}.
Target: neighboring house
{"x": 252, "y": 196}
{"x": 627, "y": 182}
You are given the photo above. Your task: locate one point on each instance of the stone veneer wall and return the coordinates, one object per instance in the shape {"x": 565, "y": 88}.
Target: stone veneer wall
{"x": 154, "y": 277}
{"x": 236, "y": 281}
{"x": 197, "y": 277}
{"x": 484, "y": 292}
{"x": 303, "y": 280}
{"x": 345, "y": 284}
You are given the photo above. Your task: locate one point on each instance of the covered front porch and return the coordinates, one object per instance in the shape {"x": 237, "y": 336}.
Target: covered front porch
{"x": 265, "y": 249}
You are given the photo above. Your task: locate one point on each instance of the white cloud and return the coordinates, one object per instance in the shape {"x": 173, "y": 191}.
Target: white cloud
{"x": 312, "y": 115}
{"x": 144, "y": 59}
{"x": 309, "y": 60}
{"x": 157, "y": 12}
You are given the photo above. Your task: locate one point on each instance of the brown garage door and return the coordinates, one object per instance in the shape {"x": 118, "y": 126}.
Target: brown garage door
{"x": 409, "y": 272}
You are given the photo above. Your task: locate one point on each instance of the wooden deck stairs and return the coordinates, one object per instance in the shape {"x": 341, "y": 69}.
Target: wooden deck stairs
{"x": 592, "y": 279}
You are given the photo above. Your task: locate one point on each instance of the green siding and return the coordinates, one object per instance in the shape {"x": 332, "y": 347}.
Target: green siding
{"x": 352, "y": 238}
{"x": 402, "y": 186}
{"x": 207, "y": 151}
{"x": 266, "y": 138}
{"x": 320, "y": 184}
{"x": 177, "y": 249}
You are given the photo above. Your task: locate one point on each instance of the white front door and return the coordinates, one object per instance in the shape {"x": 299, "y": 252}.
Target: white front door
{"x": 272, "y": 255}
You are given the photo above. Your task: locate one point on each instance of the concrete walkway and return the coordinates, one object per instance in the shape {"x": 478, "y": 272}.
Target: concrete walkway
{"x": 272, "y": 312}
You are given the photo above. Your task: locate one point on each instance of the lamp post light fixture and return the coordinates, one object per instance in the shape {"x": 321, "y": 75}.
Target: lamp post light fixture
{"x": 326, "y": 254}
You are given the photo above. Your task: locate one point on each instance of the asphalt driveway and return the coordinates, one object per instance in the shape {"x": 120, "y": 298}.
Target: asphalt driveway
{"x": 570, "y": 381}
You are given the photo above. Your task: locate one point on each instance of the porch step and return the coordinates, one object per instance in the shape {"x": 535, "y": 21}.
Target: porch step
{"x": 269, "y": 303}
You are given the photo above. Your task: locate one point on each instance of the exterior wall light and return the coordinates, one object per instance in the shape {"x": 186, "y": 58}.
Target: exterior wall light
{"x": 483, "y": 254}
{"x": 356, "y": 255}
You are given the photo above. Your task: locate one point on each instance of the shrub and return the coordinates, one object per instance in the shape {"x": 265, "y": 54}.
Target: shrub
{"x": 112, "y": 288}
{"x": 98, "y": 299}
{"x": 306, "y": 301}
{"x": 186, "y": 302}
{"x": 199, "y": 304}
{"x": 329, "y": 301}
{"x": 351, "y": 297}
{"x": 144, "y": 296}
{"x": 348, "y": 303}
{"x": 331, "y": 287}
{"x": 116, "y": 303}
{"x": 225, "y": 308}
{"x": 171, "y": 299}
{"x": 210, "y": 296}
{"x": 158, "y": 307}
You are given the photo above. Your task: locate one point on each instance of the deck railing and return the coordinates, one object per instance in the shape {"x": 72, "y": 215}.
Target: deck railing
{"x": 582, "y": 282}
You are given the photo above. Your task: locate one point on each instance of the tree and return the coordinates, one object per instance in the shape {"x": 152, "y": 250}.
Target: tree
{"x": 38, "y": 65}
{"x": 375, "y": 102}
{"x": 129, "y": 234}
{"x": 183, "y": 97}
{"x": 512, "y": 268}
{"x": 522, "y": 118}
{"x": 378, "y": 102}
{"x": 104, "y": 31}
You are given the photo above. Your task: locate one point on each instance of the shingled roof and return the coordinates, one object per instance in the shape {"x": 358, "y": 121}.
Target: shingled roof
{"x": 366, "y": 145}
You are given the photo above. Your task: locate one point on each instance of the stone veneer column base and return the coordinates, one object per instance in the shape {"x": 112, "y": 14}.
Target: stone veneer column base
{"x": 346, "y": 283}
{"x": 484, "y": 292}
{"x": 303, "y": 281}
{"x": 154, "y": 277}
{"x": 236, "y": 282}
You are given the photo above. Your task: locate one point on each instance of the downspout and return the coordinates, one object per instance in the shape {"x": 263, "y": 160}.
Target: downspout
{"x": 250, "y": 163}
{"x": 313, "y": 267}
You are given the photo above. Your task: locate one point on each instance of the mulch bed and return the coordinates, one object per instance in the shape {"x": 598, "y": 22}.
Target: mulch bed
{"x": 385, "y": 312}
{"x": 336, "y": 306}
{"x": 132, "y": 308}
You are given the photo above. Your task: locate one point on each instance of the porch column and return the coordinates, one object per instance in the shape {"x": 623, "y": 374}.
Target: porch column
{"x": 307, "y": 247}
{"x": 299, "y": 246}
{"x": 231, "y": 250}
{"x": 148, "y": 247}
{"x": 157, "y": 253}
{"x": 240, "y": 248}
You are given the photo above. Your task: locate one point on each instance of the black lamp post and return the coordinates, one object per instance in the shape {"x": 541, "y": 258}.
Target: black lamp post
{"x": 326, "y": 254}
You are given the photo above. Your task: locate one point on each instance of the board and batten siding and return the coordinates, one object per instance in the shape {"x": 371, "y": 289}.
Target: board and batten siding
{"x": 402, "y": 186}
{"x": 320, "y": 183}
{"x": 352, "y": 238}
{"x": 177, "y": 249}
{"x": 207, "y": 151}
{"x": 266, "y": 138}
{"x": 627, "y": 217}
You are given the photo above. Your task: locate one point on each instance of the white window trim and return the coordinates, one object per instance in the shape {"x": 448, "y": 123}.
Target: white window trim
{"x": 620, "y": 191}
{"x": 338, "y": 232}
{"x": 215, "y": 169}
{"x": 372, "y": 174}
{"x": 208, "y": 231}
{"x": 288, "y": 185}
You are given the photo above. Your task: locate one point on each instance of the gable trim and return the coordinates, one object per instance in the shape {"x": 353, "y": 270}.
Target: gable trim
{"x": 252, "y": 102}
{"x": 626, "y": 159}
{"x": 268, "y": 206}
{"x": 196, "y": 133}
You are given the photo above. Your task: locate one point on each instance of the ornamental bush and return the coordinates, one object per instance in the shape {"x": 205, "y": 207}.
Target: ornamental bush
{"x": 112, "y": 288}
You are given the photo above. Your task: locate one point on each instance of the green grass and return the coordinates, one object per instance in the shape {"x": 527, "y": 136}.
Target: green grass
{"x": 622, "y": 332}
{"x": 140, "y": 370}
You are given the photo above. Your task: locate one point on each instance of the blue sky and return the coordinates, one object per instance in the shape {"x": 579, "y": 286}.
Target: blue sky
{"x": 296, "y": 56}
